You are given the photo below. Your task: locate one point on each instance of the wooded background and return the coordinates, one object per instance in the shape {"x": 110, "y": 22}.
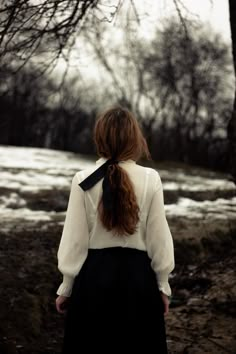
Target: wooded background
{"x": 180, "y": 84}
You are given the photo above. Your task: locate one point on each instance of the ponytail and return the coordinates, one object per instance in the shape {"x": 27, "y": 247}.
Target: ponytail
{"x": 122, "y": 213}
{"x": 117, "y": 135}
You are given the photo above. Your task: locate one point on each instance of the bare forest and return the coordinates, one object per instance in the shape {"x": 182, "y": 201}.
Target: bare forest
{"x": 61, "y": 63}
{"x": 180, "y": 83}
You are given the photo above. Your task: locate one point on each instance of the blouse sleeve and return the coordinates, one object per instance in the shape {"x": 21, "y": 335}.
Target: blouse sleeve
{"x": 73, "y": 247}
{"x": 159, "y": 240}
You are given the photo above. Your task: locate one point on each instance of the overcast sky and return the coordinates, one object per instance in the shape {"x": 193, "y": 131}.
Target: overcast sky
{"x": 213, "y": 12}
{"x": 152, "y": 13}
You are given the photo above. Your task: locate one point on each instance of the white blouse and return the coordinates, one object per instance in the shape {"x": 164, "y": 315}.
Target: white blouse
{"x": 83, "y": 229}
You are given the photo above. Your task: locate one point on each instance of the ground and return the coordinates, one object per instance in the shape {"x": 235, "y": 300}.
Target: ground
{"x": 201, "y": 212}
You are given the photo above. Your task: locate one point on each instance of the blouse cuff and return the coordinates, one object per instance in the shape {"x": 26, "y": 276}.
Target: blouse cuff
{"x": 65, "y": 288}
{"x": 163, "y": 284}
{"x": 165, "y": 288}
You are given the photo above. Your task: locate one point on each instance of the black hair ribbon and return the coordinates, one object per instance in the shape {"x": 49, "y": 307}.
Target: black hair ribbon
{"x": 97, "y": 175}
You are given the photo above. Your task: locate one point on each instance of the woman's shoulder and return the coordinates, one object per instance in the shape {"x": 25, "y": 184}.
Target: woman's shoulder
{"x": 148, "y": 177}
{"x": 82, "y": 174}
{"x": 151, "y": 172}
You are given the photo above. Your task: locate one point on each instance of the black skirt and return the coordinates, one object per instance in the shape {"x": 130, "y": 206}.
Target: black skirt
{"x": 115, "y": 305}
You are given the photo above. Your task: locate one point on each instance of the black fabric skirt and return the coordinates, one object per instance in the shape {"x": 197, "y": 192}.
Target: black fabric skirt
{"x": 115, "y": 305}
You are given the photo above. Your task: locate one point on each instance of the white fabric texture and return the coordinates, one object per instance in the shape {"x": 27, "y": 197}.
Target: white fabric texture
{"x": 83, "y": 230}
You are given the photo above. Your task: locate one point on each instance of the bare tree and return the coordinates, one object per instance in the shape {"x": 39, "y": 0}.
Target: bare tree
{"x": 30, "y": 29}
{"x": 232, "y": 121}
{"x": 180, "y": 85}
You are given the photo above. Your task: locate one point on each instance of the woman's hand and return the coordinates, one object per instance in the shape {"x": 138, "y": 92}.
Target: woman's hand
{"x": 166, "y": 302}
{"x": 61, "y": 303}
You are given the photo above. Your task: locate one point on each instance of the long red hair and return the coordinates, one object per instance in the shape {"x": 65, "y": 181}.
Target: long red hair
{"x": 117, "y": 135}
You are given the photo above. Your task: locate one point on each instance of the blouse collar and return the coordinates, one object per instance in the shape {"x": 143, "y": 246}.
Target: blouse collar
{"x": 102, "y": 160}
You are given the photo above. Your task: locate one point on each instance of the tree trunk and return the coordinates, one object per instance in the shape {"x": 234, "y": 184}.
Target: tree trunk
{"x": 232, "y": 122}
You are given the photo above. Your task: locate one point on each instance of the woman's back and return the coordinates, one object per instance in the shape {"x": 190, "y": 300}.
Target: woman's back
{"x": 116, "y": 251}
{"x": 145, "y": 181}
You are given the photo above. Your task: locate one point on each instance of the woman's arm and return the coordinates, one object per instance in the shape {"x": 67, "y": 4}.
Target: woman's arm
{"x": 73, "y": 247}
{"x": 159, "y": 240}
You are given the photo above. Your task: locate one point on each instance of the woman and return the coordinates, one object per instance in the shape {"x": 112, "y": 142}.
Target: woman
{"x": 116, "y": 251}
